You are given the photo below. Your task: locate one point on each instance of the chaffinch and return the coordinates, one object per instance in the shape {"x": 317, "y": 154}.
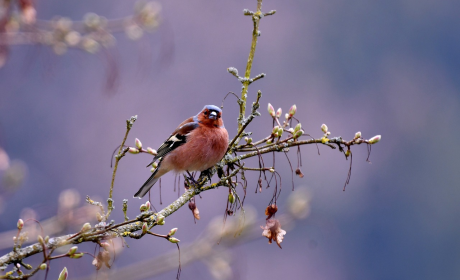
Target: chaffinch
{"x": 197, "y": 144}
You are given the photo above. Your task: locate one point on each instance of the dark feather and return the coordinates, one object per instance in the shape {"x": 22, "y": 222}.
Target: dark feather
{"x": 148, "y": 184}
{"x": 178, "y": 138}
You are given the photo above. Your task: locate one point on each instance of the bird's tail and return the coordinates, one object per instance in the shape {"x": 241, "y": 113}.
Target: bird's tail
{"x": 149, "y": 183}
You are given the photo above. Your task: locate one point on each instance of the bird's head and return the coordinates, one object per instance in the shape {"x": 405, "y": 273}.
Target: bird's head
{"x": 211, "y": 115}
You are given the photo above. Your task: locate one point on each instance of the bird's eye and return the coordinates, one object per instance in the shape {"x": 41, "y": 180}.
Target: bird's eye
{"x": 205, "y": 113}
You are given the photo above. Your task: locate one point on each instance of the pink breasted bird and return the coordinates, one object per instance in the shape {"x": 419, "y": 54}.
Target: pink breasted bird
{"x": 197, "y": 144}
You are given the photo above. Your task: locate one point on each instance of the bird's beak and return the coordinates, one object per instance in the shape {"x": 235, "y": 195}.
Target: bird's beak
{"x": 213, "y": 115}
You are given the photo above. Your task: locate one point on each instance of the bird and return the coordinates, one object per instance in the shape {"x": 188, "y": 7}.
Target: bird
{"x": 197, "y": 144}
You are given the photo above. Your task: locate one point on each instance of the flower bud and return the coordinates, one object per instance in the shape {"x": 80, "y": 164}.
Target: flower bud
{"x": 297, "y": 127}
{"x": 231, "y": 197}
{"x": 232, "y": 70}
{"x": 375, "y": 139}
{"x": 280, "y": 132}
{"x": 292, "y": 111}
{"x": 298, "y": 134}
{"x": 86, "y": 227}
{"x": 324, "y": 128}
{"x": 147, "y": 204}
{"x": 173, "y": 240}
{"x": 357, "y": 135}
{"x": 160, "y": 220}
{"x": 249, "y": 141}
{"x": 172, "y": 232}
{"x": 151, "y": 151}
{"x": 143, "y": 208}
{"x": 291, "y": 130}
{"x": 64, "y": 274}
{"x": 347, "y": 153}
{"x": 286, "y": 116}
{"x": 279, "y": 112}
{"x": 77, "y": 255}
{"x": 72, "y": 250}
{"x": 133, "y": 150}
{"x": 269, "y": 141}
{"x": 20, "y": 224}
{"x": 43, "y": 266}
{"x": 272, "y": 170}
{"x": 145, "y": 228}
{"x": 275, "y": 130}
{"x": 47, "y": 239}
{"x": 40, "y": 240}
{"x": 271, "y": 110}
{"x": 138, "y": 143}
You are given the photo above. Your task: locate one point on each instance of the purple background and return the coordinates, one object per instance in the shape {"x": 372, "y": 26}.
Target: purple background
{"x": 381, "y": 67}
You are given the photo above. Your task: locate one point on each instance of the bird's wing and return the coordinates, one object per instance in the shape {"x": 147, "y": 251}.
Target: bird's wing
{"x": 177, "y": 138}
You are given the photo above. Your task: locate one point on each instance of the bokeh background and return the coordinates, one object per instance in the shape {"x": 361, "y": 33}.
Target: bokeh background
{"x": 380, "y": 67}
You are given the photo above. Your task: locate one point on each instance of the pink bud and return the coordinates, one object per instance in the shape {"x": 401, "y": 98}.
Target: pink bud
{"x": 143, "y": 208}
{"x": 20, "y": 224}
{"x": 279, "y": 112}
{"x": 64, "y": 274}
{"x": 133, "y": 150}
{"x": 147, "y": 204}
{"x": 292, "y": 110}
{"x": 145, "y": 228}
{"x": 173, "y": 240}
{"x": 324, "y": 128}
{"x": 375, "y": 139}
{"x": 172, "y": 232}
{"x": 151, "y": 151}
{"x": 72, "y": 250}
{"x": 271, "y": 110}
{"x": 358, "y": 135}
{"x": 138, "y": 143}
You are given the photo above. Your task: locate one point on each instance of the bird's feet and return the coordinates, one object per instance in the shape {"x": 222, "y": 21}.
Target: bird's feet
{"x": 206, "y": 173}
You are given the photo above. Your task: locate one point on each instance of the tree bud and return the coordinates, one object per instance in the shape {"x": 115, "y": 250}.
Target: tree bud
{"x": 272, "y": 170}
{"x": 173, "y": 240}
{"x": 143, "y": 208}
{"x": 40, "y": 240}
{"x": 269, "y": 141}
{"x": 275, "y": 130}
{"x": 147, "y": 204}
{"x": 298, "y": 134}
{"x": 64, "y": 274}
{"x": 160, "y": 220}
{"x": 72, "y": 250}
{"x": 297, "y": 127}
{"x": 279, "y": 112}
{"x": 347, "y": 153}
{"x": 324, "y": 128}
{"x": 231, "y": 197}
{"x": 172, "y": 232}
{"x": 357, "y": 135}
{"x": 43, "y": 266}
{"x": 292, "y": 111}
{"x": 138, "y": 143}
{"x": 280, "y": 132}
{"x": 145, "y": 228}
{"x": 151, "y": 151}
{"x": 20, "y": 224}
{"x": 77, "y": 255}
{"x": 271, "y": 110}
{"x": 133, "y": 150}
{"x": 86, "y": 227}
{"x": 375, "y": 139}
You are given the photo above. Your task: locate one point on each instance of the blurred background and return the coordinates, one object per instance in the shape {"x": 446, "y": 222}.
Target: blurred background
{"x": 379, "y": 67}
